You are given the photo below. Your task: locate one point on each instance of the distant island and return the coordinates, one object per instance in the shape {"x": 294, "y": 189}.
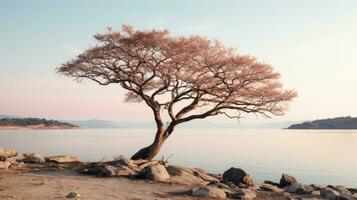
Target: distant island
{"x": 33, "y": 123}
{"x": 333, "y": 123}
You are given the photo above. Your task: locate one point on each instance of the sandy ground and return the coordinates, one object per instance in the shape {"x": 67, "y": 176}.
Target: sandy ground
{"x": 31, "y": 184}
{"x": 56, "y": 184}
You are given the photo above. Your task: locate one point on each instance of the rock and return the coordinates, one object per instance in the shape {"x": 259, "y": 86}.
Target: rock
{"x": 316, "y": 192}
{"x": 254, "y": 186}
{"x": 6, "y": 153}
{"x": 272, "y": 183}
{"x": 73, "y": 195}
{"x": 106, "y": 170}
{"x": 339, "y": 188}
{"x": 204, "y": 176}
{"x": 187, "y": 179}
{"x": 208, "y": 192}
{"x": 347, "y": 196}
{"x": 287, "y": 180}
{"x": 352, "y": 190}
{"x": 228, "y": 190}
{"x": 200, "y": 170}
{"x": 237, "y": 176}
{"x": 299, "y": 188}
{"x": 62, "y": 159}
{"x": 329, "y": 193}
{"x": 156, "y": 173}
{"x": 33, "y": 158}
{"x": 318, "y": 187}
{"x": 271, "y": 188}
{"x": 17, "y": 158}
{"x": 4, "y": 164}
{"x": 185, "y": 176}
{"x": 244, "y": 194}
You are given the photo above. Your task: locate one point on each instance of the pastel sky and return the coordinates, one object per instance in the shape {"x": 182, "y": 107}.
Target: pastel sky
{"x": 312, "y": 43}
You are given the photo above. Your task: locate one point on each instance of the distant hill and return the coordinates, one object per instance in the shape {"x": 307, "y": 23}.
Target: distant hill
{"x": 6, "y": 116}
{"x": 333, "y": 123}
{"x": 198, "y": 124}
{"x": 33, "y": 123}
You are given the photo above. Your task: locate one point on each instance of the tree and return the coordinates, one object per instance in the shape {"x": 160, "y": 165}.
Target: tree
{"x": 182, "y": 78}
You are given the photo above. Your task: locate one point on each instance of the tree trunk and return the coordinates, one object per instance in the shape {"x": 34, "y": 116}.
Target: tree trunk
{"x": 149, "y": 152}
{"x": 152, "y": 150}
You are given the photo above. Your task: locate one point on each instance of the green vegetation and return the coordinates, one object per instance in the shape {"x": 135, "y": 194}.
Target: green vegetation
{"x": 334, "y": 123}
{"x": 24, "y": 122}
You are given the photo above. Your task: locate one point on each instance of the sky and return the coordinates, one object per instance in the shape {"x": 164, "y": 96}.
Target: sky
{"x": 311, "y": 43}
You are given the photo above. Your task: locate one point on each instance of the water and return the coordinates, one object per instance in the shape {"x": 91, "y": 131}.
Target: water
{"x": 323, "y": 156}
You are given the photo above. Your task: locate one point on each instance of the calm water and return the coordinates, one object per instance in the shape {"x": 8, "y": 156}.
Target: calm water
{"x": 324, "y": 157}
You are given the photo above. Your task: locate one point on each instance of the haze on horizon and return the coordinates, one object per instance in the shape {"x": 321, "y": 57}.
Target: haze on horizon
{"x": 312, "y": 44}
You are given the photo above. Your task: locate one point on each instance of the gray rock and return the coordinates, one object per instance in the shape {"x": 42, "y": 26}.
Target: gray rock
{"x": 208, "y": 192}
{"x": 287, "y": 180}
{"x": 347, "y": 196}
{"x": 33, "y": 158}
{"x": 73, "y": 195}
{"x": 330, "y": 194}
{"x": 244, "y": 194}
{"x": 156, "y": 173}
{"x": 62, "y": 159}
{"x": 238, "y": 177}
{"x": 4, "y": 165}
{"x": 299, "y": 188}
{"x": 268, "y": 187}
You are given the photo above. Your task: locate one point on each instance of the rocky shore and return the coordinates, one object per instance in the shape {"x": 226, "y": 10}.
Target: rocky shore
{"x": 144, "y": 179}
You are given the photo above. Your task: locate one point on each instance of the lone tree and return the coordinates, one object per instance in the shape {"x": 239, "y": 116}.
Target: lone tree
{"x": 184, "y": 78}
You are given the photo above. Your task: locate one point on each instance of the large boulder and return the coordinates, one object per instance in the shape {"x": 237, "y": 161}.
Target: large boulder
{"x": 4, "y": 165}
{"x": 287, "y": 180}
{"x": 208, "y": 192}
{"x": 244, "y": 194}
{"x": 238, "y": 176}
{"x": 299, "y": 188}
{"x": 156, "y": 173}
{"x": 62, "y": 159}
{"x": 33, "y": 158}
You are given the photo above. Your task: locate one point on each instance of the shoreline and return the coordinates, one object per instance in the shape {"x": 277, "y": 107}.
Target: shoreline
{"x": 61, "y": 173}
{"x": 9, "y": 128}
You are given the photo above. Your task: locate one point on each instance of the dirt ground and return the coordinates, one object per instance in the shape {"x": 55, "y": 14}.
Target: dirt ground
{"x": 57, "y": 183}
